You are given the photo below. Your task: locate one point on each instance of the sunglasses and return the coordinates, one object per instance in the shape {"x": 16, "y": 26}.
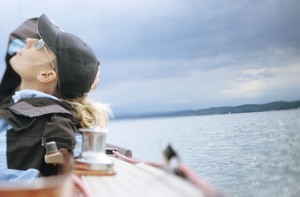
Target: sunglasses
{"x": 41, "y": 44}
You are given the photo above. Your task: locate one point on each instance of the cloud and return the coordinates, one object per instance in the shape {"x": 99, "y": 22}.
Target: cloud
{"x": 177, "y": 54}
{"x": 199, "y": 87}
{"x": 204, "y": 81}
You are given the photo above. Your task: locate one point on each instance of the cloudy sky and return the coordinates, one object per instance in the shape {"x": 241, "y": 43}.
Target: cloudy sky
{"x": 169, "y": 55}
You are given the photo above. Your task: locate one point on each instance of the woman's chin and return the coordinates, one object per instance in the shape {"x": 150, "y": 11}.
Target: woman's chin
{"x": 13, "y": 62}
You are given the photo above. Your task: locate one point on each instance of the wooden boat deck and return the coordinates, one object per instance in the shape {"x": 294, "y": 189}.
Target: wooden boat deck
{"x": 132, "y": 180}
{"x": 139, "y": 180}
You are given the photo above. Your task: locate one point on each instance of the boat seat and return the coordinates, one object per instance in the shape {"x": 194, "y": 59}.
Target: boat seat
{"x": 55, "y": 186}
{"x": 58, "y": 186}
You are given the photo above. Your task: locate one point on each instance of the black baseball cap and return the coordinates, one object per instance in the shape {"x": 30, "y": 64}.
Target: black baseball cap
{"x": 76, "y": 62}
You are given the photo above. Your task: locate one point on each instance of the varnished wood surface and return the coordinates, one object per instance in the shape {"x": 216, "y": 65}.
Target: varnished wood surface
{"x": 139, "y": 180}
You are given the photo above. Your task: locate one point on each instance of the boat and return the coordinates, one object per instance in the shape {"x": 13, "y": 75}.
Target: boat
{"x": 122, "y": 176}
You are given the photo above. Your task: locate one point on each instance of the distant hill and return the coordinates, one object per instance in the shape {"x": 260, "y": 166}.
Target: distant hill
{"x": 278, "y": 105}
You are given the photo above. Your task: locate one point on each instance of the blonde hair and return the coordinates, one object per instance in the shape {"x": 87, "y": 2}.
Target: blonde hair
{"x": 90, "y": 114}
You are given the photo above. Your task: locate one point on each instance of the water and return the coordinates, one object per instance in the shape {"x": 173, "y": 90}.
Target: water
{"x": 249, "y": 154}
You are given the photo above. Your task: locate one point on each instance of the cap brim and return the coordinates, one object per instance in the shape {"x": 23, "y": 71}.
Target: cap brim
{"x": 48, "y": 31}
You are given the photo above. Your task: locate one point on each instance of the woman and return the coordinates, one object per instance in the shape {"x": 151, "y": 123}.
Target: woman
{"x": 56, "y": 73}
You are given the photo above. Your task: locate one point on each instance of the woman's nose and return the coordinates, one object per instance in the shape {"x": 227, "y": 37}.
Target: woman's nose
{"x": 29, "y": 42}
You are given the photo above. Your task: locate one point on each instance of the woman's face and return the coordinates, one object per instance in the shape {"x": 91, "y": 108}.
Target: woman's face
{"x": 29, "y": 61}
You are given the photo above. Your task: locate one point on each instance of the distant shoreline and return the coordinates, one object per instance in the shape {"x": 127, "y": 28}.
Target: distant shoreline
{"x": 272, "y": 106}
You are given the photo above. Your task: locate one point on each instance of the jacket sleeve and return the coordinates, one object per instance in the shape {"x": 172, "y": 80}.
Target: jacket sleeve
{"x": 61, "y": 130}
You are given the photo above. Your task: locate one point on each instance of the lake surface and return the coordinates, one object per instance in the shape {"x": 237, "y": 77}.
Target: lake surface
{"x": 248, "y": 154}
